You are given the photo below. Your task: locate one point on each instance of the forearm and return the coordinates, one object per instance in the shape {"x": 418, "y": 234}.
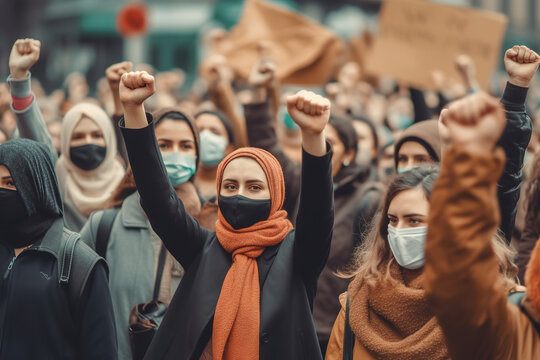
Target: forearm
{"x": 462, "y": 279}
{"x": 30, "y": 121}
{"x": 514, "y": 141}
{"x": 223, "y": 97}
{"x": 166, "y": 212}
{"x": 315, "y": 219}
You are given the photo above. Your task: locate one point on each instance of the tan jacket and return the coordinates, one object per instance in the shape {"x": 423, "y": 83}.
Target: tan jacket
{"x": 461, "y": 271}
{"x": 334, "y": 351}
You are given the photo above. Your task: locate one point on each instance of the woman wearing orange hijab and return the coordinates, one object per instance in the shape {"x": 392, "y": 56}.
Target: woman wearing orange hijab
{"x": 248, "y": 288}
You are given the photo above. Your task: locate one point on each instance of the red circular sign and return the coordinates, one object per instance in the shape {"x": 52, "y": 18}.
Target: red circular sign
{"x": 131, "y": 20}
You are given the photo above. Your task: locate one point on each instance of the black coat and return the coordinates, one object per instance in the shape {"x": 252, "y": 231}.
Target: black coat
{"x": 288, "y": 271}
{"x": 39, "y": 320}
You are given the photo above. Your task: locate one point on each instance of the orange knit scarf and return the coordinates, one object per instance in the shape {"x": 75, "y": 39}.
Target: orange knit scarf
{"x": 237, "y": 317}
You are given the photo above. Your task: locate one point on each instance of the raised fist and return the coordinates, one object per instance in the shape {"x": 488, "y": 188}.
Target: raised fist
{"x": 215, "y": 69}
{"x": 263, "y": 73}
{"x": 115, "y": 72}
{"x": 521, "y": 63}
{"x": 310, "y": 111}
{"x": 475, "y": 122}
{"x": 24, "y": 54}
{"x": 465, "y": 66}
{"x": 135, "y": 87}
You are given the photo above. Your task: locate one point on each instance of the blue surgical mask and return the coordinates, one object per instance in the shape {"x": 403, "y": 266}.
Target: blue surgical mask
{"x": 289, "y": 122}
{"x": 405, "y": 169}
{"x": 400, "y": 121}
{"x": 407, "y": 245}
{"x": 180, "y": 167}
{"x": 212, "y": 147}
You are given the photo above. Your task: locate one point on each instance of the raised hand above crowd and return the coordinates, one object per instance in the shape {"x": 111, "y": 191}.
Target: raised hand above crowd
{"x": 475, "y": 122}
{"x": 521, "y": 64}
{"x": 114, "y": 74}
{"x": 24, "y": 54}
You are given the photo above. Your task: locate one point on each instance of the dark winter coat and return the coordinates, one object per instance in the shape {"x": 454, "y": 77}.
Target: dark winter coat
{"x": 288, "y": 272}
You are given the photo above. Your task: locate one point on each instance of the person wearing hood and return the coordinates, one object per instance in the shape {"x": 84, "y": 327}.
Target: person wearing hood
{"x": 88, "y": 169}
{"x": 248, "y": 288}
{"x": 461, "y": 272}
{"x": 39, "y": 316}
{"x": 418, "y": 145}
{"x": 356, "y": 200}
{"x": 133, "y": 248}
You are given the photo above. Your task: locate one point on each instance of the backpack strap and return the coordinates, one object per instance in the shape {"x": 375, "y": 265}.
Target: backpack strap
{"x": 104, "y": 230}
{"x": 348, "y": 335}
{"x": 77, "y": 263}
{"x": 159, "y": 272}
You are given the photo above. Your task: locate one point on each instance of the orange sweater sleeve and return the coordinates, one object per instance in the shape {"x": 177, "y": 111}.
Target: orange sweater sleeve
{"x": 461, "y": 272}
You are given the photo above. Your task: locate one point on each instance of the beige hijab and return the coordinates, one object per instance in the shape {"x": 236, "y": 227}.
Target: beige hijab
{"x": 88, "y": 190}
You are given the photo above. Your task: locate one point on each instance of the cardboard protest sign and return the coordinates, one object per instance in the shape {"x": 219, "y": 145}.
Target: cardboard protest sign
{"x": 416, "y": 37}
{"x": 304, "y": 51}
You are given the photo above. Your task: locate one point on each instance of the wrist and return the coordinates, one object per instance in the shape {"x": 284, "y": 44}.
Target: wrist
{"x": 314, "y": 143}
{"x": 476, "y": 147}
{"x": 514, "y": 80}
{"x": 260, "y": 94}
{"x": 18, "y": 74}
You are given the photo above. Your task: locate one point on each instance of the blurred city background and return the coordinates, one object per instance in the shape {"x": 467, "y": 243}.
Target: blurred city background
{"x": 82, "y": 35}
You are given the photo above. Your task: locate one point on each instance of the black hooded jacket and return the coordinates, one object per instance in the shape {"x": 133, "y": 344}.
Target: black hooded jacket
{"x": 38, "y": 317}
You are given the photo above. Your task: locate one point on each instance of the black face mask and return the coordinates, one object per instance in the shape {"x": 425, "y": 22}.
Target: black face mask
{"x": 17, "y": 229}
{"x": 87, "y": 157}
{"x": 242, "y": 212}
{"x": 12, "y": 207}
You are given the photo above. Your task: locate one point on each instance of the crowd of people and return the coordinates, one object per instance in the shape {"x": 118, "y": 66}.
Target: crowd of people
{"x": 364, "y": 219}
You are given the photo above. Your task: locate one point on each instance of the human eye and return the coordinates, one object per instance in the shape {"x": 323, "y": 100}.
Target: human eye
{"x": 163, "y": 146}
{"x": 97, "y": 135}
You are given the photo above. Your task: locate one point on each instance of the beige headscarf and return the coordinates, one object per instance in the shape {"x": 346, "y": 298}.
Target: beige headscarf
{"x": 88, "y": 190}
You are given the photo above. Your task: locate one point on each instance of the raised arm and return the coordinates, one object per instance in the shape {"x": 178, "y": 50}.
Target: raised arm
{"x": 113, "y": 74}
{"x": 219, "y": 75}
{"x": 261, "y": 130}
{"x": 315, "y": 219}
{"x": 182, "y": 235}
{"x": 462, "y": 279}
{"x": 521, "y": 64}
{"x": 30, "y": 123}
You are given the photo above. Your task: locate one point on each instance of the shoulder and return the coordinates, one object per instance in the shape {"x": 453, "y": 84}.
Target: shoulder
{"x": 78, "y": 261}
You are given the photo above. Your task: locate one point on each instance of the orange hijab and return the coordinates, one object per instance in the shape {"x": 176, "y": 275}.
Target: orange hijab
{"x": 235, "y": 332}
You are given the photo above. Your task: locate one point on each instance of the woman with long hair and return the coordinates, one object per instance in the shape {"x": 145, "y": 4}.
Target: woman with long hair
{"x": 389, "y": 314}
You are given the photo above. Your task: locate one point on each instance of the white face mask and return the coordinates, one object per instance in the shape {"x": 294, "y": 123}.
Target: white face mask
{"x": 407, "y": 245}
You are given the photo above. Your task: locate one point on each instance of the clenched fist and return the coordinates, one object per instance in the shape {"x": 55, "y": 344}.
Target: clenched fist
{"x": 521, "y": 64}
{"x": 310, "y": 111}
{"x": 115, "y": 72}
{"x": 24, "y": 54}
{"x": 475, "y": 122}
{"x": 135, "y": 87}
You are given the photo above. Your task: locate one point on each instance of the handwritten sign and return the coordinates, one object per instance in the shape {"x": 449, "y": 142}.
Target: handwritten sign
{"x": 417, "y": 37}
